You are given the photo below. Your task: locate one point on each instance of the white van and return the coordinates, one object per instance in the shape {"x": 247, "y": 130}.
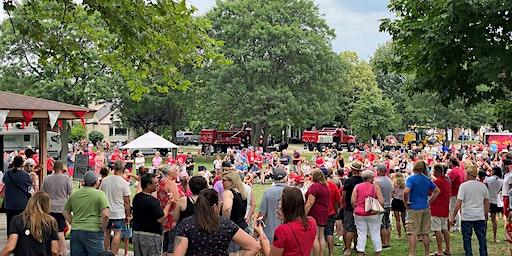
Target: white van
{"x": 16, "y": 138}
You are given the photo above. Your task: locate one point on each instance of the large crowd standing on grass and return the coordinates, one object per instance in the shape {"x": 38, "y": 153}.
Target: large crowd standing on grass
{"x": 311, "y": 205}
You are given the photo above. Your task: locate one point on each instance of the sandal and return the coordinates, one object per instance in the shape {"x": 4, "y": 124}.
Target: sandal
{"x": 435, "y": 254}
{"x": 446, "y": 253}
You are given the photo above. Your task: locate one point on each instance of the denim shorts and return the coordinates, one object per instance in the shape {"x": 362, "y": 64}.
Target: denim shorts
{"x": 85, "y": 243}
{"x": 116, "y": 225}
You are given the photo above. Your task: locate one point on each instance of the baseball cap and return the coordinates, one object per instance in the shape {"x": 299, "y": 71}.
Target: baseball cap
{"x": 90, "y": 178}
{"x": 381, "y": 167}
{"x": 278, "y": 173}
{"x": 30, "y": 161}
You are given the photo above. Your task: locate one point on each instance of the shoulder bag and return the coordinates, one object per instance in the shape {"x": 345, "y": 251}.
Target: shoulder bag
{"x": 372, "y": 205}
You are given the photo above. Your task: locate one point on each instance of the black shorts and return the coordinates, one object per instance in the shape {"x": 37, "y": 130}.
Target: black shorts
{"x": 339, "y": 214}
{"x": 386, "y": 222}
{"x": 493, "y": 208}
{"x": 348, "y": 221}
{"x": 397, "y": 205}
{"x": 61, "y": 221}
{"x": 329, "y": 229}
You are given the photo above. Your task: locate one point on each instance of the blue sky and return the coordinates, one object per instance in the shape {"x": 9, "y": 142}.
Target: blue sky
{"x": 356, "y": 22}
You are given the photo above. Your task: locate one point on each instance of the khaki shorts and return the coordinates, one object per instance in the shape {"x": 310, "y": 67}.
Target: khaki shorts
{"x": 439, "y": 223}
{"x": 418, "y": 222}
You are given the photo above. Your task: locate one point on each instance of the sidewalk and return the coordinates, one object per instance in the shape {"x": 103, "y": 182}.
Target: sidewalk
{"x": 3, "y": 235}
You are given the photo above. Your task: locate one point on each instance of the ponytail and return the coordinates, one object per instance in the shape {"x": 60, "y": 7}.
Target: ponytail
{"x": 207, "y": 220}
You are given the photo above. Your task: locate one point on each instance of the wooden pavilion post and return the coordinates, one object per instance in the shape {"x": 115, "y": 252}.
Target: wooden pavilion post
{"x": 2, "y": 153}
{"x": 43, "y": 147}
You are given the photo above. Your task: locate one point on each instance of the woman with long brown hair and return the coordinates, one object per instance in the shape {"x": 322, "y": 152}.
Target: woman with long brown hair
{"x": 317, "y": 206}
{"x": 208, "y": 233}
{"x": 34, "y": 231}
{"x": 297, "y": 233}
{"x": 234, "y": 203}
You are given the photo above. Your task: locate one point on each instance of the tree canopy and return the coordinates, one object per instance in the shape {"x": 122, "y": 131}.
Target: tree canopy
{"x": 145, "y": 43}
{"x": 454, "y": 48}
{"x": 284, "y": 71}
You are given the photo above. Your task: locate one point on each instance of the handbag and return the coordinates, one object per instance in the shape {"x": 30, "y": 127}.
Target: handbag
{"x": 372, "y": 205}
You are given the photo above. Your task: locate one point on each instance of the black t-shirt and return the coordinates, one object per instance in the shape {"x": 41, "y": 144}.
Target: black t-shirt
{"x": 26, "y": 244}
{"x": 146, "y": 212}
{"x": 201, "y": 243}
{"x": 349, "y": 187}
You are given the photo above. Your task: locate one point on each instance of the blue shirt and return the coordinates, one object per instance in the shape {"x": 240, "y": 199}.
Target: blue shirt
{"x": 420, "y": 186}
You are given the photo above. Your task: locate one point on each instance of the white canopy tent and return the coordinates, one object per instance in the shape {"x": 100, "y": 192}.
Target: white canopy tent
{"x": 149, "y": 140}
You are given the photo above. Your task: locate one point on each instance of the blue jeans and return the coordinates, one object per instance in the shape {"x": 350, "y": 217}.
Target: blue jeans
{"x": 85, "y": 243}
{"x": 467, "y": 228}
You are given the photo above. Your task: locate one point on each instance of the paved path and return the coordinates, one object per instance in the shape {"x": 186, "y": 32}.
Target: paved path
{"x": 3, "y": 235}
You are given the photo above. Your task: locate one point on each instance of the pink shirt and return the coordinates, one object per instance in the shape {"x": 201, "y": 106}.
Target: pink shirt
{"x": 364, "y": 190}
{"x": 157, "y": 161}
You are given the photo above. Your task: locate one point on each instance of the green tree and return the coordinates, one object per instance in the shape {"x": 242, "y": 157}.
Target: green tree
{"x": 151, "y": 42}
{"x": 284, "y": 70}
{"x": 77, "y": 133}
{"x": 52, "y": 51}
{"x": 372, "y": 115}
{"x": 454, "y": 48}
{"x": 360, "y": 79}
{"x": 155, "y": 111}
{"x": 95, "y": 136}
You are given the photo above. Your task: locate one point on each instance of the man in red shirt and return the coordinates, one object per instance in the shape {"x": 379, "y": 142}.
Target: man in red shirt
{"x": 457, "y": 177}
{"x": 334, "y": 204}
{"x": 440, "y": 210}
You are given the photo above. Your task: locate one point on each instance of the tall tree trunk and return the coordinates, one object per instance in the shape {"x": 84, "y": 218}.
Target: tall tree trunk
{"x": 255, "y": 136}
{"x": 64, "y": 140}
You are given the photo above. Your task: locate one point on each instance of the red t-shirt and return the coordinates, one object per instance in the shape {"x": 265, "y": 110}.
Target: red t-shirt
{"x": 440, "y": 206}
{"x": 258, "y": 159}
{"x": 250, "y": 157}
{"x": 456, "y": 176}
{"x": 509, "y": 231}
{"x": 334, "y": 197}
{"x": 320, "y": 209}
{"x": 49, "y": 164}
{"x": 181, "y": 158}
{"x": 294, "y": 239}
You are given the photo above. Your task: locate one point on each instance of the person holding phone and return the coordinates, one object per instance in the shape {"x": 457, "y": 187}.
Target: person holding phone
{"x": 297, "y": 233}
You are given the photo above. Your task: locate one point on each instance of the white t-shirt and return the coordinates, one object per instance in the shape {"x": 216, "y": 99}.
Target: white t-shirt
{"x": 472, "y": 193}
{"x": 495, "y": 185}
{"x": 506, "y": 184}
{"x": 115, "y": 188}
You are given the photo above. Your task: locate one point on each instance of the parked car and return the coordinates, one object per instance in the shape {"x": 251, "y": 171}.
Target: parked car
{"x": 186, "y": 137}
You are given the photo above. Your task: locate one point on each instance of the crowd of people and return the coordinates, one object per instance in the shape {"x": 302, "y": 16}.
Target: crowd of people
{"x": 309, "y": 206}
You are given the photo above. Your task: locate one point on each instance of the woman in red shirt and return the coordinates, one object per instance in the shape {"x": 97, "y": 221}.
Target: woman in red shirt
{"x": 317, "y": 206}
{"x": 295, "y": 237}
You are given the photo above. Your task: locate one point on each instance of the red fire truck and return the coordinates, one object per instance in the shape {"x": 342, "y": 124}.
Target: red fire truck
{"x": 221, "y": 140}
{"x": 338, "y": 138}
